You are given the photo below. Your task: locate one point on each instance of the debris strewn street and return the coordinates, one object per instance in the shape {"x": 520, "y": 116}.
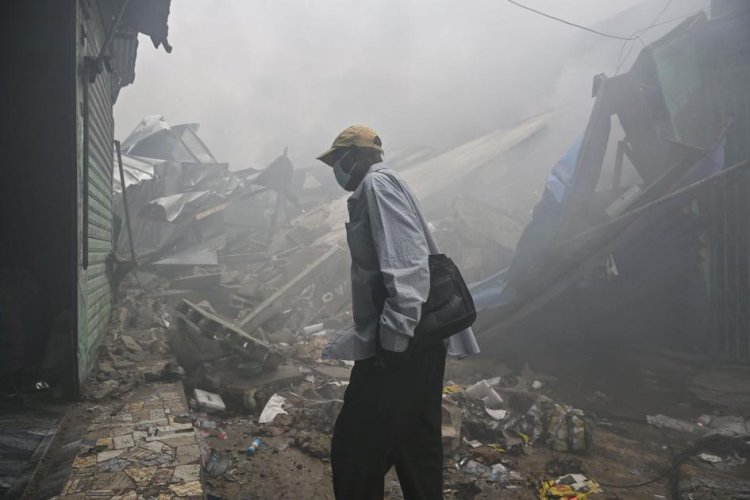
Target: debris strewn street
{"x": 182, "y": 303}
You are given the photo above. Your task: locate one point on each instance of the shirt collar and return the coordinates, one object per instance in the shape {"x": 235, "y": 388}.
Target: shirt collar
{"x": 376, "y": 167}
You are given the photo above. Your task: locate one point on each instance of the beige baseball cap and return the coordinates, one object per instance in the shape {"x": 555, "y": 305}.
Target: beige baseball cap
{"x": 361, "y": 136}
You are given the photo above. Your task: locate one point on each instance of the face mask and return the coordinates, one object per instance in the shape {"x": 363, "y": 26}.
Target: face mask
{"x": 341, "y": 177}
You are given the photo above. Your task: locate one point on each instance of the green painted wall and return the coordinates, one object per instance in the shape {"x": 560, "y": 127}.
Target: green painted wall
{"x": 95, "y": 284}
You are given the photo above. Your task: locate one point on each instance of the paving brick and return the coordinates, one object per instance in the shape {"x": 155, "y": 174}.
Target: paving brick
{"x": 141, "y": 476}
{"x": 143, "y": 452}
{"x": 105, "y": 443}
{"x": 103, "y": 456}
{"x": 187, "y": 489}
{"x": 83, "y": 461}
{"x": 187, "y": 454}
{"x": 125, "y": 441}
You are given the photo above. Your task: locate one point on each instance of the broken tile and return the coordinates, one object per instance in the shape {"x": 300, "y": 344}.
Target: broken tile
{"x": 125, "y": 441}
{"x": 139, "y": 436}
{"x": 147, "y": 457}
{"x": 141, "y": 475}
{"x": 77, "y": 484}
{"x": 83, "y": 461}
{"x": 111, "y": 481}
{"x": 131, "y": 495}
{"x": 179, "y": 439}
{"x": 134, "y": 406}
{"x": 103, "y": 456}
{"x": 105, "y": 443}
{"x": 94, "y": 494}
{"x": 124, "y": 417}
{"x": 186, "y": 473}
{"x": 142, "y": 414}
{"x": 187, "y": 489}
{"x": 162, "y": 476}
{"x": 186, "y": 454}
{"x": 156, "y": 414}
{"x": 157, "y": 447}
{"x": 114, "y": 465}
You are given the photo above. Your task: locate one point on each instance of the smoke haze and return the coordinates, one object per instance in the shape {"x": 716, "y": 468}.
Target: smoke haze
{"x": 260, "y": 76}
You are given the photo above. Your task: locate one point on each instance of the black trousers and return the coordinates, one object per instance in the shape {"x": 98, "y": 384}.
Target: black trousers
{"x": 391, "y": 416}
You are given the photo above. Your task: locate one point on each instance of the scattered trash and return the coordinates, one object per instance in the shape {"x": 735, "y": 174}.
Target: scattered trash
{"x": 254, "y": 445}
{"x": 274, "y": 407}
{"x": 567, "y": 429}
{"x": 665, "y": 422}
{"x": 208, "y": 400}
{"x": 206, "y": 424}
{"x": 570, "y": 486}
{"x": 707, "y": 457}
{"x": 496, "y": 414}
{"x": 704, "y": 420}
{"x": 484, "y": 392}
{"x": 217, "y": 463}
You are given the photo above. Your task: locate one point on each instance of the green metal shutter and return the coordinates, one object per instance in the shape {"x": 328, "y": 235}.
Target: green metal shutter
{"x": 95, "y": 287}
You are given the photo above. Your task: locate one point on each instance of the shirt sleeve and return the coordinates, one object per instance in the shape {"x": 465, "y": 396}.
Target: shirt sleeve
{"x": 403, "y": 255}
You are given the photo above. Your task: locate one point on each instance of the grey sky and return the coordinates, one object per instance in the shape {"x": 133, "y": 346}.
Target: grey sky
{"x": 261, "y": 75}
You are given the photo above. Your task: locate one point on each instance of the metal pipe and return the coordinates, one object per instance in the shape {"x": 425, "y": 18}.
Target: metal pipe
{"x": 133, "y": 257}
{"x": 679, "y": 193}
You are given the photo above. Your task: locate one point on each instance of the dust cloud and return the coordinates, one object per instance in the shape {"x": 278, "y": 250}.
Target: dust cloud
{"x": 261, "y": 76}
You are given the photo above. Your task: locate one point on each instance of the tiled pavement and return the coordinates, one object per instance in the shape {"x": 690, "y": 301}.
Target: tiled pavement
{"x": 139, "y": 448}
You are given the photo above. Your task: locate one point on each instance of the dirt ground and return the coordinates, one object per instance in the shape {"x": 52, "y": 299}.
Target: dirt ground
{"x": 624, "y": 453}
{"x": 621, "y": 454}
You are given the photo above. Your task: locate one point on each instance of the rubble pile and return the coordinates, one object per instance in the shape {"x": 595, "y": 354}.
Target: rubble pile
{"x": 249, "y": 263}
{"x": 135, "y": 351}
{"x": 238, "y": 281}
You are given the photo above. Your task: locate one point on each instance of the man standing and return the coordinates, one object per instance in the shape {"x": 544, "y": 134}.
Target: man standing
{"x": 392, "y": 407}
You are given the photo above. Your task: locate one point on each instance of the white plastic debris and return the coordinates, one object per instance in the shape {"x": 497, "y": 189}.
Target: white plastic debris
{"x": 483, "y": 391}
{"x": 472, "y": 443}
{"x": 536, "y": 385}
{"x": 209, "y": 400}
{"x": 274, "y": 407}
{"x": 665, "y": 422}
{"x": 496, "y": 414}
{"x": 707, "y": 457}
{"x": 310, "y": 329}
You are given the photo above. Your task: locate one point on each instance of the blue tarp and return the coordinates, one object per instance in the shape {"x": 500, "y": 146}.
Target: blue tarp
{"x": 496, "y": 290}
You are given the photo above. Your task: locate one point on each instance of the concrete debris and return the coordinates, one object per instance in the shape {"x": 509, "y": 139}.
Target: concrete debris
{"x": 208, "y": 401}
{"x": 237, "y": 290}
{"x": 315, "y": 444}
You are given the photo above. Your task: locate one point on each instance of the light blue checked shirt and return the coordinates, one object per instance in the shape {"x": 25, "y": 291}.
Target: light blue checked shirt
{"x": 389, "y": 243}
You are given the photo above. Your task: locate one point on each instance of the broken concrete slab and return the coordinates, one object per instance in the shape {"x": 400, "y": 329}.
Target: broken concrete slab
{"x": 223, "y": 332}
{"x": 130, "y": 343}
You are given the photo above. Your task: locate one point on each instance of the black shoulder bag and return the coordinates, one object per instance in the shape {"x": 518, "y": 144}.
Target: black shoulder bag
{"x": 449, "y": 308}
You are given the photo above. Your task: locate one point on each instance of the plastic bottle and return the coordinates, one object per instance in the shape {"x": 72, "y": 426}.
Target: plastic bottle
{"x": 254, "y": 445}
